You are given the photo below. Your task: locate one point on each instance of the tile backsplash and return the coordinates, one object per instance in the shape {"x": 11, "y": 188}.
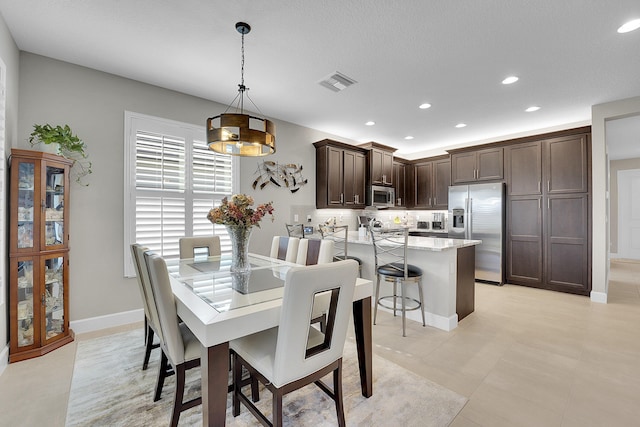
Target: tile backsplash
{"x": 302, "y": 214}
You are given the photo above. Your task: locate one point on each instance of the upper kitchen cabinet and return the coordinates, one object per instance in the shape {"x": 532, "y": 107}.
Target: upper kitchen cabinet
{"x": 431, "y": 180}
{"x": 552, "y": 166}
{"x": 566, "y": 164}
{"x": 523, "y": 171}
{"x": 477, "y": 165}
{"x": 340, "y": 175}
{"x": 380, "y": 161}
{"x": 400, "y": 173}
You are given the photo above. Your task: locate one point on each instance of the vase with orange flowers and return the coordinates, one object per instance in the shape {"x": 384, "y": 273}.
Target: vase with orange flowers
{"x": 239, "y": 218}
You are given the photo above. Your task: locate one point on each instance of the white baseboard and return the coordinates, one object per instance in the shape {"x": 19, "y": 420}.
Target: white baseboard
{"x": 431, "y": 319}
{"x": 4, "y": 359}
{"x": 600, "y": 297}
{"x": 440, "y": 322}
{"x": 108, "y": 321}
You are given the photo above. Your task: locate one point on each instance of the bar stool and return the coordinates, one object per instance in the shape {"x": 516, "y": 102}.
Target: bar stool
{"x": 390, "y": 251}
{"x": 340, "y": 236}
{"x": 295, "y": 230}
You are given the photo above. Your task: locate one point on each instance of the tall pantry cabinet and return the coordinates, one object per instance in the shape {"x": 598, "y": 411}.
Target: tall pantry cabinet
{"x": 38, "y": 254}
{"x": 548, "y": 205}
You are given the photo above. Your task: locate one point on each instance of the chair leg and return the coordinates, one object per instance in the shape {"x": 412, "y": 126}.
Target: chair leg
{"x": 237, "y": 384}
{"x": 404, "y": 309}
{"x": 277, "y": 408}
{"x": 148, "y": 347}
{"x": 421, "y": 301}
{"x": 337, "y": 392}
{"x": 377, "y": 299}
{"x": 179, "y": 394}
{"x": 162, "y": 374}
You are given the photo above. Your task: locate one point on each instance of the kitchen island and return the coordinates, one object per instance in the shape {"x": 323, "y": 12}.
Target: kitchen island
{"x": 448, "y": 281}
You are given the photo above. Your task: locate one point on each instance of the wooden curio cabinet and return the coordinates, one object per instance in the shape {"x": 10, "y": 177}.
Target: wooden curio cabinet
{"x": 38, "y": 254}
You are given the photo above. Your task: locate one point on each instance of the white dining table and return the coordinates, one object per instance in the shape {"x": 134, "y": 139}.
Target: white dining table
{"x": 219, "y": 306}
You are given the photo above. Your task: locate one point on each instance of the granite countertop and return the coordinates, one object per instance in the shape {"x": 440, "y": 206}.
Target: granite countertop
{"x": 421, "y": 243}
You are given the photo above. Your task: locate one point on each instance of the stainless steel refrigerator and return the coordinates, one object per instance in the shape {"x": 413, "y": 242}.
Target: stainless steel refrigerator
{"x": 477, "y": 211}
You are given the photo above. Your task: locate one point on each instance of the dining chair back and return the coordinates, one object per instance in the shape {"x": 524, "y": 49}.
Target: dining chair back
{"x": 295, "y": 230}
{"x": 295, "y": 354}
{"x": 152, "y": 324}
{"x": 181, "y": 349}
{"x": 284, "y": 248}
{"x": 314, "y": 251}
{"x": 390, "y": 253}
{"x": 192, "y": 247}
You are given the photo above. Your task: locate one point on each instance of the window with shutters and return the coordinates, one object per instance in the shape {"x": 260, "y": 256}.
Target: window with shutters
{"x": 172, "y": 180}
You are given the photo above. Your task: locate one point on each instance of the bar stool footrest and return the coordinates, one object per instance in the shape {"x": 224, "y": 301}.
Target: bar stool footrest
{"x": 415, "y": 304}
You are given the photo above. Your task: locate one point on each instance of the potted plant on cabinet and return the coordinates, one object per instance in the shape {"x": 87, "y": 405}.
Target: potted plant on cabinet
{"x": 68, "y": 145}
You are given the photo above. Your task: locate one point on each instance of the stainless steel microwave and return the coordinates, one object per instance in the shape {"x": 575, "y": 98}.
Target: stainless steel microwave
{"x": 381, "y": 197}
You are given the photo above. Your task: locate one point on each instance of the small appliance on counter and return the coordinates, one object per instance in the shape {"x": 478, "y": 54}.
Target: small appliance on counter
{"x": 422, "y": 225}
{"x": 438, "y": 221}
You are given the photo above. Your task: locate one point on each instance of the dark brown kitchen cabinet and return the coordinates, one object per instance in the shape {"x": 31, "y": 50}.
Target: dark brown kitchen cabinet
{"x": 477, "y": 165}
{"x": 441, "y": 183}
{"x": 548, "y": 199}
{"x": 400, "y": 181}
{"x": 431, "y": 180}
{"x": 524, "y": 241}
{"x": 523, "y": 169}
{"x": 566, "y": 165}
{"x": 380, "y": 160}
{"x": 340, "y": 175}
{"x": 566, "y": 243}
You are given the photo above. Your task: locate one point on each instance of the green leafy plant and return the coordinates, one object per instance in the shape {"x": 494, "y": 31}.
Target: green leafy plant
{"x": 69, "y": 145}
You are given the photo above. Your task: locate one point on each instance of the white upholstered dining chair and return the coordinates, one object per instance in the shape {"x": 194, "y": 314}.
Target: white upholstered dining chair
{"x": 284, "y": 248}
{"x": 295, "y": 354}
{"x": 151, "y": 322}
{"x": 314, "y": 251}
{"x": 181, "y": 349}
{"x": 191, "y": 247}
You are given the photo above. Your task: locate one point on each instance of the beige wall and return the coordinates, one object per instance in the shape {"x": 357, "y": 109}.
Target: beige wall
{"x": 614, "y": 167}
{"x": 10, "y": 56}
{"x": 93, "y": 104}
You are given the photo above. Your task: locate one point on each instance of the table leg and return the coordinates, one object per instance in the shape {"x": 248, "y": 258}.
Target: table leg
{"x": 214, "y": 365}
{"x": 362, "y": 326}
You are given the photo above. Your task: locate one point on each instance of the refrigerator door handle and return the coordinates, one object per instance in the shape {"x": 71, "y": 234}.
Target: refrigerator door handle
{"x": 469, "y": 228}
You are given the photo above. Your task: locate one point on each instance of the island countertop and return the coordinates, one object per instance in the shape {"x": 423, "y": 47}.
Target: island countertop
{"x": 436, "y": 244}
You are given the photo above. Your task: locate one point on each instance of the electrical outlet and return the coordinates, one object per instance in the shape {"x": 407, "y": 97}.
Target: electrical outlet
{"x": 308, "y": 218}
{"x": 295, "y": 218}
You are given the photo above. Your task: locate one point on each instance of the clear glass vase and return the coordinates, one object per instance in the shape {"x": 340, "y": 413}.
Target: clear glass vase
{"x": 239, "y": 248}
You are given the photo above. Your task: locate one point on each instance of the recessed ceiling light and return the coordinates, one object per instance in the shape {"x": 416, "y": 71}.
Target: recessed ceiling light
{"x": 424, "y": 106}
{"x": 461, "y": 125}
{"x": 532, "y": 109}
{"x": 629, "y": 26}
{"x": 370, "y": 123}
{"x": 509, "y": 80}
{"x": 408, "y": 137}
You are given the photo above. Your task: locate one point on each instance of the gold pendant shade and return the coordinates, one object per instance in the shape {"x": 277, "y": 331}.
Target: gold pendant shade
{"x": 241, "y": 135}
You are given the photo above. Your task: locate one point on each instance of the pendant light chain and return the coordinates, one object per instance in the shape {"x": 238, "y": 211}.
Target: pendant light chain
{"x": 242, "y": 87}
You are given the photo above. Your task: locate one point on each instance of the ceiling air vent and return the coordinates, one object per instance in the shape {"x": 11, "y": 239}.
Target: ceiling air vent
{"x": 337, "y": 82}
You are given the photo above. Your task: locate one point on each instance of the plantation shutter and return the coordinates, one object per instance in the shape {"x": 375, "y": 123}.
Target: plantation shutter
{"x": 174, "y": 180}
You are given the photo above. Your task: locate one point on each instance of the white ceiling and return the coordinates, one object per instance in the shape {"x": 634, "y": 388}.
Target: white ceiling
{"x": 452, "y": 54}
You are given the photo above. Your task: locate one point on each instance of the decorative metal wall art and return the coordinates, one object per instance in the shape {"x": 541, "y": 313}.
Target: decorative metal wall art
{"x": 288, "y": 175}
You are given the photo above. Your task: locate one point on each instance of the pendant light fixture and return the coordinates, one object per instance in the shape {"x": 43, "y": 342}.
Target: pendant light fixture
{"x": 241, "y": 134}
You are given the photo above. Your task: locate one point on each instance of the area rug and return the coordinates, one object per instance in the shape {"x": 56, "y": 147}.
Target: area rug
{"x": 109, "y": 388}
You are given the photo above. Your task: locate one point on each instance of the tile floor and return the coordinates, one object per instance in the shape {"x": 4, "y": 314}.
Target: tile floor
{"x": 525, "y": 357}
